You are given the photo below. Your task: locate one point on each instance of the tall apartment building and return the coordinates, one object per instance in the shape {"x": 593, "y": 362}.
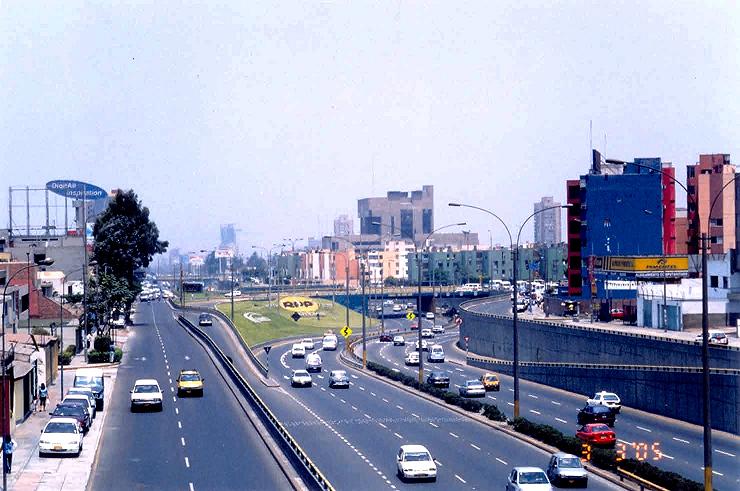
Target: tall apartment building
{"x": 711, "y": 203}
{"x": 228, "y": 235}
{"x": 547, "y": 223}
{"x": 343, "y": 225}
{"x": 410, "y": 213}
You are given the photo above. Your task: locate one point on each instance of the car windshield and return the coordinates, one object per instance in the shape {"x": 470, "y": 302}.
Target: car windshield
{"x": 53, "y": 427}
{"x": 610, "y": 397}
{"x": 417, "y": 457}
{"x": 68, "y": 411}
{"x": 596, "y": 428}
{"x": 300, "y": 373}
{"x": 570, "y": 462}
{"x": 339, "y": 374}
{"x": 83, "y": 381}
{"x": 146, "y": 389}
{"x": 532, "y": 478}
{"x": 190, "y": 377}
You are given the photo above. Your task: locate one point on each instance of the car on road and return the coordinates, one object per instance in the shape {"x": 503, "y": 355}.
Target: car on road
{"x": 145, "y": 394}
{"x": 189, "y": 382}
{"x": 566, "y": 469}
{"x": 397, "y": 308}
{"x": 527, "y": 479}
{"x": 427, "y": 333}
{"x": 608, "y": 399}
{"x": 429, "y": 315}
{"x": 298, "y": 350}
{"x": 438, "y": 330}
{"x": 378, "y": 308}
{"x": 329, "y": 342}
{"x": 61, "y": 436}
{"x": 472, "y": 388}
{"x": 424, "y": 346}
{"x": 616, "y": 314}
{"x": 416, "y": 462}
{"x": 596, "y": 414}
{"x": 411, "y": 305}
{"x": 236, "y": 293}
{"x": 308, "y": 343}
{"x": 301, "y": 378}
{"x": 597, "y": 434}
{"x": 521, "y": 306}
{"x": 313, "y": 362}
{"x": 338, "y": 378}
{"x": 205, "y": 319}
{"x": 438, "y": 379}
{"x": 399, "y": 340}
{"x": 385, "y": 338}
{"x": 84, "y": 400}
{"x": 412, "y": 358}
{"x": 76, "y": 412}
{"x": 490, "y": 381}
{"x": 436, "y": 354}
{"x": 715, "y": 337}
{"x": 92, "y": 378}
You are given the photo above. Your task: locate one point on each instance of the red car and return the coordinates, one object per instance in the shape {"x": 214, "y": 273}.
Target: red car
{"x": 597, "y": 434}
{"x": 414, "y": 326}
{"x": 617, "y": 313}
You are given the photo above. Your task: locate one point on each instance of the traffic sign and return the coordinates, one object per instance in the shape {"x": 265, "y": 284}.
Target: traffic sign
{"x": 267, "y": 349}
{"x": 466, "y": 338}
{"x": 411, "y": 316}
{"x": 346, "y": 331}
{"x": 295, "y": 316}
{"x": 458, "y": 321}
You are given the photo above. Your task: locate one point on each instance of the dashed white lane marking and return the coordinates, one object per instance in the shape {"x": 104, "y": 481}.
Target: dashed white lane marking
{"x": 556, "y": 403}
{"x": 324, "y": 389}
{"x": 415, "y": 415}
{"x": 723, "y": 453}
{"x": 168, "y": 374}
{"x": 286, "y": 377}
{"x": 459, "y": 369}
{"x": 354, "y": 376}
{"x": 666, "y": 456}
{"x": 510, "y": 403}
{"x": 475, "y": 446}
{"x": 385, "y": 400}
{"x": 491, "y": 397}
{"x": 182, "y": 440}
{"x": 353, "y": 407}
{"x": 187, "y": 463}
{"x": 179, "y": 425}
{"x": 535, "y": 412}
{"x": 320, "y": 376}
{"x": 177, "y": 411}
{"x": 511, "y": 390}
{"x": 399, "y": 407}
{"x": 367, "y": 416}
{"x": 682, "y": 441}
{"x": 461, "y": 479}
{"x": 399, "y": 436}
{"x": 381, "y": 424}
{"x": 561, "y": 420}
{"x": 622, "y": 441}
{"x": 362, "y": 388}
{"x": 192, "y": 488}
{"x": 174, "y": 399}
{"x": 334, "y": 395}
{"x": 453, "y": 435}
{"x": 373, "y": 394}
{"x": 532, "y": 396}
{"x": 172, "y": 389}
{"x": 343, "y": 401}
{"x": 502, "y": 461}
{"x": 170, "y": 380}
{"x": 643, "y": 429}
{"x": 436, "y": 426}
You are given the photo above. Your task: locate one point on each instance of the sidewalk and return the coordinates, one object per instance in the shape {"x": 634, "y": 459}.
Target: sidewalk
{"x": 31, "y": 473}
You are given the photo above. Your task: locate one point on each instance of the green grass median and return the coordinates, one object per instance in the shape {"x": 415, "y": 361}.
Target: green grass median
{"x": 255, "y": 329}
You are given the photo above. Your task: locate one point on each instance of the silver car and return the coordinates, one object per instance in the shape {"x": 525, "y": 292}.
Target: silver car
{"x": 528, "y": 479}
{"x": 473, "y": 388}
{"x": 338, "y": 378}
{"x": 566, "y": 469}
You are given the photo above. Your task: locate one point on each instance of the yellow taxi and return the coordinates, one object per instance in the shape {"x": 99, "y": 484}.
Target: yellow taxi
{"x": 490, "y": 381}
{"x": 189, "y": 382}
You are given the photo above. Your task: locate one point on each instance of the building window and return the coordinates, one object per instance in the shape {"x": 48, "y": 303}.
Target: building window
{"x": 426, "y": 221}
{"x": 690, "y": 171}
{"x": 714, "y": 281}
{"x": 715, "y": 222}
{"x": 725, "y": 284}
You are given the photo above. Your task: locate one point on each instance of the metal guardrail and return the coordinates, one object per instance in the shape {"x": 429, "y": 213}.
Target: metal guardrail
{"x": 225, "y": 318}
{"x": 306, "y": 465}
{"x": 642, "y": 483}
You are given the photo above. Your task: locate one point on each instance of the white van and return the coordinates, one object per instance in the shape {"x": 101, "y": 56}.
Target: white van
{"x": 436, "y": 354}
{"x": 92, "y": 378}
{"x": 329, "y": 343}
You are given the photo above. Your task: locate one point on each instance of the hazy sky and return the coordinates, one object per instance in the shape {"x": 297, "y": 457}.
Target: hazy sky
{"x": 278, "y": 116}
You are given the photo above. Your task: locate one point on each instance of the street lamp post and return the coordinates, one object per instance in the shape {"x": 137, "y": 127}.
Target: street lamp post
{"x": 3, "y": 361}
{"x": 515, "y": 256}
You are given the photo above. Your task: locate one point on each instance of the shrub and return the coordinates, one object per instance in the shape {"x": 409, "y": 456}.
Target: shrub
{"x": 95, "y": 356}
{"x": 71, "y": 348}
{"x": 492, "y": 412}
{"x": 102, "y": 343}
{"x": 65, "y": 358}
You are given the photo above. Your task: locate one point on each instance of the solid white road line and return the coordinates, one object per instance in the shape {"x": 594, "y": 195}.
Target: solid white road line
{"x": 725, "y": 453}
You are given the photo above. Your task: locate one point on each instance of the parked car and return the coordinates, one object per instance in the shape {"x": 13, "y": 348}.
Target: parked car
{"x": 189, "y": 382}
{"x": 338, "y": 378}
{"x": 145, "y": 394}
{"x": 385, "y": 338}
{"x": 490, "y": 381}
{"x": 416, "y": 462}
{"x": 92, "y": 378}
{"x": 77, "y": 412}
{"x": 597, "y": 434}
{"x": 528, "y": 479}
{"x": 412, "y": 358}
{"x": 205, "y": 320}
{"x": 436, "y": 354}
{"x": 301, "y": 378}
{"x": 61, "y": 436}
{"x": 298, "y": 350}
{"x": 313, "y": 362}
{"x": 84, "y": 400}
{"x": 596, "y": 414}
{"x": 399, "y": 340}
{"x": 308, "y": 343}
{"x": 566, "y": 469}
{"x": 715, "y": 337}
{"x": 608, "y": 399}
{"x": 472, "y": 388}
{"x": 87, "y": 392}
{"x": 438, "y": 379}
{"x": 617, "y": 314}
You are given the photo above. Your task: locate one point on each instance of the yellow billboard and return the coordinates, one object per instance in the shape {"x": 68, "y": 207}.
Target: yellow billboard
{"x": 643, "y": 264}
{"x": 299, "y": 304}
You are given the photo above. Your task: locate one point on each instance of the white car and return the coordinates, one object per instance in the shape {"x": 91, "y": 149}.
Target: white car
{"x": 313, "y": 362}
{"x": 308, "y": 343}
{"x": 74, "y": 398}
{"x": 301, "y": 378}
{"x": 146, "y": 393}
{"x": 329, "y": 343}
{"x": 604, "y": 398}
{"x": 436, "y": 354}
{"x": 416, "y": 462}
{"x": 427, "y": 333}
{"x": 438, "y": 330}
{"x": 298, "y": 350}
{"x": 714, "y": 337}
{"x": 412, "y": 358}
{"x": 398, "y": 340}
{"x": 397, "y": 308}
{"x": 528, "y": 479}
{"x": 61, "y": 436}
{"x": 472, "y": 388}
{"x": 237, "y": 293}
{"x": 429, "y": 315}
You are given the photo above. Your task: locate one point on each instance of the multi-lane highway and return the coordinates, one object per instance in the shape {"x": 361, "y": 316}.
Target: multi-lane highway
{"x": 354, "y": 434}
{"x": 680, "y": 443}
{"x": 194, "y": 443}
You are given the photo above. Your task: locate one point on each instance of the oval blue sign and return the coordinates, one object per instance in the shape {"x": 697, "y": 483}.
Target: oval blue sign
{"x": 76, "y": 189}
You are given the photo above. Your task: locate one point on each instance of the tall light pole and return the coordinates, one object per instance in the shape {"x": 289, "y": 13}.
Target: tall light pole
{"x": 61, "y": 321}
{"x": 514, "y": 247}
{"x": 3, "y": 361}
